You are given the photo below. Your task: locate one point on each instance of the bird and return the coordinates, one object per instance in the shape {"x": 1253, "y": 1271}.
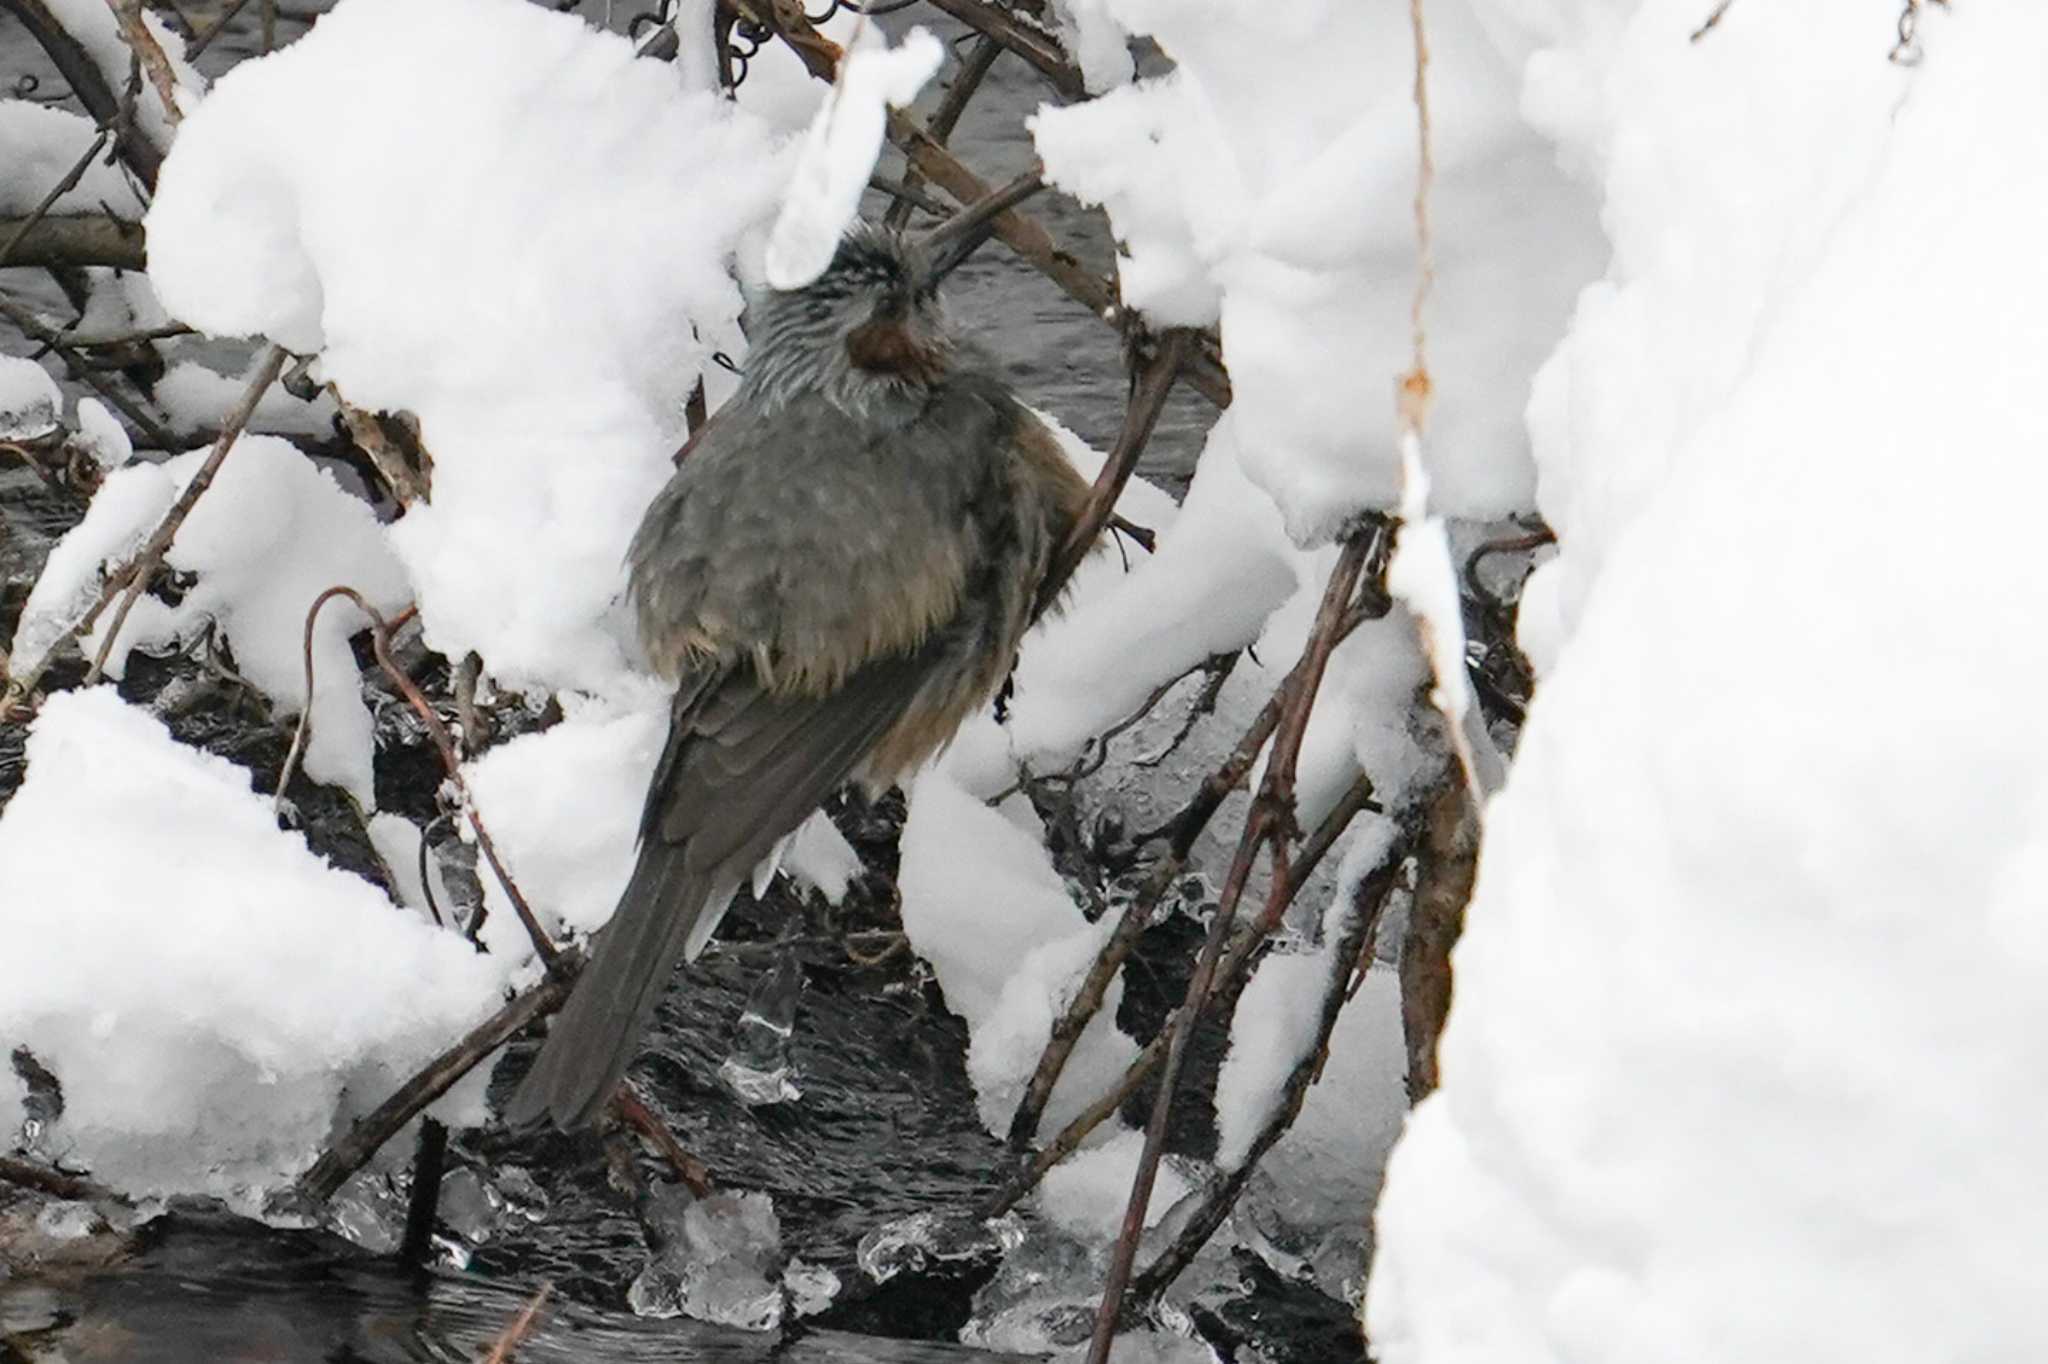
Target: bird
{"x": 838, "y": 574}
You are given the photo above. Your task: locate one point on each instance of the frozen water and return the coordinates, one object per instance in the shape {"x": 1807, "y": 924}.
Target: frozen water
{"x": 720, "y": 1261}
{"x": 810, "y": 1288}
{"x": 932, "y": 1238}
{"x": 757, "y": 1067}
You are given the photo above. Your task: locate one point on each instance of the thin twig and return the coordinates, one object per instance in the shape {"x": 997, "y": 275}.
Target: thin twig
{"x": 205, "y": 40}
{"x": 942, "y": 122}
{"x": 451, "y": 763}
{"x": 304, "y": 729}
{"x": 1713, "y": 21}
{"x": 519, "y": 1328}
{"x": 1033, "y": 44}
{"x": 1369, "y": 901}
{"x": 368, "y": 1135}
{"x": 63, "y": 187}
{"x": 638, "y": 1114}
{"x": 1269, "y": 825}
{"x": 136, "y": 574}
{"x": 86, "y": 372}
{"x": 1148, "y": 400}
{"x": 143, "y": 43}
{"x": 1222, "y": 995}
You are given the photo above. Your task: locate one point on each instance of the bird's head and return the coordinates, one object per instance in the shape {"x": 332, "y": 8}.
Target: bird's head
{"x": 869, "y": 331}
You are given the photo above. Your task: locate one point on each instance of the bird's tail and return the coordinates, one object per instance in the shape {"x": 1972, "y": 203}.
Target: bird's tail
{"x": 666, "y": 910}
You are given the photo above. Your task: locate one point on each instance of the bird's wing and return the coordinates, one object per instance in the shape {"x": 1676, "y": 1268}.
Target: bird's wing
{"x": 742, "y": 767}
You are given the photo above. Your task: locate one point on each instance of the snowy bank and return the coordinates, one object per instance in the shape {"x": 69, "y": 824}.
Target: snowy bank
{"x": 1745, "y": 1058}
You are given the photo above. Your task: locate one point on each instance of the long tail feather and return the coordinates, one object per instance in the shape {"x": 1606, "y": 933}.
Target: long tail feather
{"x": 663, "y": 908}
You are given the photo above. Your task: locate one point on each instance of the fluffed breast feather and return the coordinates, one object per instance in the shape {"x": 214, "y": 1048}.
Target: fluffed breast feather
{"x": 889, "y": 531}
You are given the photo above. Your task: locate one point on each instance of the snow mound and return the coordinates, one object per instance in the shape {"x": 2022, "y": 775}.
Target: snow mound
{"x": 1746, "y": 1052}
{"x": 1266, "y": 185}
{"x": 205, "y": 989}
{"x": 496, "y": 218}
{"x": 270, "y": 535}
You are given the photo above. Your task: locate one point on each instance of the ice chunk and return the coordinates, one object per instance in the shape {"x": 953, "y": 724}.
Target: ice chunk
{"x": 719, "y": 1264}
{"x": 757, "y": 1068}
{"x": 928, "y": 1238}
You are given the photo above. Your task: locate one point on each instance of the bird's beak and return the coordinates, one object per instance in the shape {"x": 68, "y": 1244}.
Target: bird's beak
{"x": 947, "y": 246}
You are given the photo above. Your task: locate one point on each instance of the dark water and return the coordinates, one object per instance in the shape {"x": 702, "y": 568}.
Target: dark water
{"x": 887, "y": 1124}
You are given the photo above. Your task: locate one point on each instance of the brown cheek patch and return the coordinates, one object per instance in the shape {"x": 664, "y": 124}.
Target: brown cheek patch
{"x": 886, "y": 347}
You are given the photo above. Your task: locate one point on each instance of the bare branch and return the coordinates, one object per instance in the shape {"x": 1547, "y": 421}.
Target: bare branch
{"x": 143, "y": 43}
{"x": 1269, "y": 825}
{"x": 76, "y": 65}
{"x": 1033, "y": 44}
{"x": 86, "y": 372}
{"x": 353, "y": 1151}
{"x": 944, "y": 119}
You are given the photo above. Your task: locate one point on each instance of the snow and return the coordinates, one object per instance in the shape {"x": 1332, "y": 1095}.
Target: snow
{"x": 539, "y": 275}
{"x": 270, "y": 535}
{"x": 39, "y": 146}
{"x": 1085, "y": 1194}
{"x": 1098, "y": 45}
{"x": 30, "y": 404}
{"x": 198, "y": 397}
{"x": 206, "y": 989}
{"x": 101, "y": 435}
{"x": 93, "y": 24}
{"x": 839, "y": 152}
{"x": 983, "y": 904}
{"x": 1744, "y": 1057}
{"x": 1265, "y": 184}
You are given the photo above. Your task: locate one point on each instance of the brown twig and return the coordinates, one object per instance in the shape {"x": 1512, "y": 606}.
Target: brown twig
{"x": 1369, "y": 900}
{"x": 29, "y": 1175}
{"x": 1269, "y": 825}
{"x": 451, "y": 763}
{"x": 1713, "y": 21}
{"x": 1229, "y": 978}
{"x": 143, "y": 43}
{"x": 368, "y": 1135}
{"x": 973, "y": 69}
{"x": 73, "y": 240}
{"x": 519, "y": 1328}
{"x": 204, "y": 40}
{"x": 86, "y": 372}
{"x": 638, "y": 1114}
{"x": 1033, "y": 44}
{"x": 1181, "y": 833}
{"x": 1148, "y": 400}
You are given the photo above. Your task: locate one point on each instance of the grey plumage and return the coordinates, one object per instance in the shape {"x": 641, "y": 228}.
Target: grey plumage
{"x": 838, "y": 574}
